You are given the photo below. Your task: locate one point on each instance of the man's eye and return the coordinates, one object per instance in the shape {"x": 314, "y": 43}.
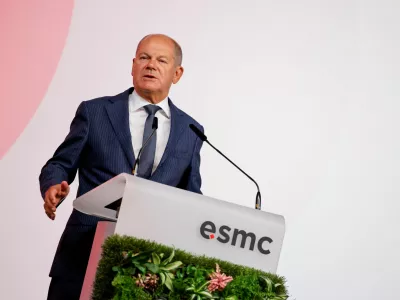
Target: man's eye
{"x": 143, "y": 57}
{"x": 163, "y": 61}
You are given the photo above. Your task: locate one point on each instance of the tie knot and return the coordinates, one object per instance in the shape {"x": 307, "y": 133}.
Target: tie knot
{"x": 152, "y": 109}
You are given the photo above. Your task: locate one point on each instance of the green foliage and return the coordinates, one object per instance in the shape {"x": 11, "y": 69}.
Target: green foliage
{"x": 188, "y": 274}
{"x": 164, "y": 268}
{"x": 127, "y": 289}
{"x": 254, "y": 287}
{"x": 132, "y": 263}
{"x": 192, "y": 282}
{"x": 245, "y": 287}
{"x": 271, "y": 289}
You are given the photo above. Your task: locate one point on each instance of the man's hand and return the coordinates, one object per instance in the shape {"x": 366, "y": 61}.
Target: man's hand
{"x": 53, "y": 196}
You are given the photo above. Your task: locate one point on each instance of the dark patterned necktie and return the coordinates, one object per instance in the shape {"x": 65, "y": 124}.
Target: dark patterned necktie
{"x": 148, "y": 153}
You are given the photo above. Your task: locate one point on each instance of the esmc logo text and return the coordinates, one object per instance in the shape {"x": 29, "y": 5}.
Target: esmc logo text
{"x": 208, "y": 230}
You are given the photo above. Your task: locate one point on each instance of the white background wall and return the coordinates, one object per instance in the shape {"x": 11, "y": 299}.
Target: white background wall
{"x": 303, "y": 95}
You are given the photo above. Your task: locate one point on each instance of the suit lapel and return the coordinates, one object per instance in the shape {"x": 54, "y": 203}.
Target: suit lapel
{"x": 118, "y": 112}
{"x": 177, "y": 126}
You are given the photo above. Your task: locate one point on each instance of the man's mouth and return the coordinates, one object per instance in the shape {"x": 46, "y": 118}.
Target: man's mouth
{"x": 149, "y": 76}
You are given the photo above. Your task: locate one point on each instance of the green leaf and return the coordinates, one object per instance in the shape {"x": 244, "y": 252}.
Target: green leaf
{"x": 142, "y": 269}
{"x": 142, "y": 256}
{"x": 152, "y": 267}
{"x": 170, "y": 275}
{"x": 169, "y": 259}
{"x": 172, "y": 266}
{"x": 162, "y": 276}
{"x": 168, "y": 283}
{"x": 131, "y": 271}
{"x": 156, "y": 258}
{"x": 203, "y": 285}
{"x": 207, "y": 294}
{"x": 180, "y": 274}
{"x": 116, "y": 269}
{"x": 269, "y": 283}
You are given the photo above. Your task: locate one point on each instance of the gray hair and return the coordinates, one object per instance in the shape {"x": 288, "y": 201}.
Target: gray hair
{"x": 178, "y": 50}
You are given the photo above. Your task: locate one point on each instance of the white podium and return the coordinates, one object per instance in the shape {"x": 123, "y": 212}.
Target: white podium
{"x": 188, "y": 221}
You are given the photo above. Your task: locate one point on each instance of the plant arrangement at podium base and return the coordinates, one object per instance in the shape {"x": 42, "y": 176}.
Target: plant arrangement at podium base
{"x": 133, "y": 268}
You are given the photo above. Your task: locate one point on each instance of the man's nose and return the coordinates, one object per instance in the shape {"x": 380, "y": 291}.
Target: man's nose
{"x": 151, "y": 65}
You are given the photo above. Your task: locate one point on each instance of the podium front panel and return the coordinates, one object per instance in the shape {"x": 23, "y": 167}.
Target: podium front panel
{"x": 201, "y": 225}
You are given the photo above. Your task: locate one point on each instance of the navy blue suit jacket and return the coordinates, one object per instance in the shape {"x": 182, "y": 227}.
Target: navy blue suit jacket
{"x": 99, "y": 146}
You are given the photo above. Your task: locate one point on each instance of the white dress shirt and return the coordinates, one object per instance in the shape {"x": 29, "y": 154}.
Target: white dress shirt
{"x": 137, "y": 120}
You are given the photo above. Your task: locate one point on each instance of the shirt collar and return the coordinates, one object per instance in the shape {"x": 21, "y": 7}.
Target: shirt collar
{"x": 136, "y": 102}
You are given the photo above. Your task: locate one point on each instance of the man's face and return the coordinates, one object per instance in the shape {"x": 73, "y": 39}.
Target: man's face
{"x": 154, "y": 68}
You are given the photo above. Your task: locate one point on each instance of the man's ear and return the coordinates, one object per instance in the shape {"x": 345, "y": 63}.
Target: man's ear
{"x": 178, "y": 74}
{"x": 133, "y": 61}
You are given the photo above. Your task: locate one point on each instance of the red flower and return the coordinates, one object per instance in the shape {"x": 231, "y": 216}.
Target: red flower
{"x": 218, "y": 281}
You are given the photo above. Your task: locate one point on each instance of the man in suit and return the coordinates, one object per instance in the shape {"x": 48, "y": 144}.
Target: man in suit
{"x": 105, "y": 137}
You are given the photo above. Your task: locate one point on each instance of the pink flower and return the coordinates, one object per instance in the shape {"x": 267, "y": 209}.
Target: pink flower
{"x": 218, "y": 281}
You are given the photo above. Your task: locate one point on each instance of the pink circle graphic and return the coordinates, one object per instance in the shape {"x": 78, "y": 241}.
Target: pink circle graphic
{"x": 32, "y": 35}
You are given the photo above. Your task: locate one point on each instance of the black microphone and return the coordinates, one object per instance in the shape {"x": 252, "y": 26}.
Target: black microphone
{"x": 154, "y": 126}
{"x": 204, "y": 139}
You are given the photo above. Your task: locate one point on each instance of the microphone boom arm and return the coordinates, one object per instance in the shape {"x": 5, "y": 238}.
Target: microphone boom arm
{"x": 203, "y": 137}
{"x": 258, "y": 196}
